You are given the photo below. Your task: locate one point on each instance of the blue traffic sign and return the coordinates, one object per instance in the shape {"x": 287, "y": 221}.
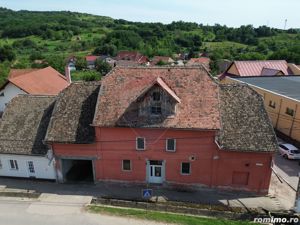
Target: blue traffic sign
{"x": 147, "y": 193}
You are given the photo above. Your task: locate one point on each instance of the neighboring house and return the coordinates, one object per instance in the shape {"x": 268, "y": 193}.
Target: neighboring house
{"x": 162, "y": 59}
{"x": 71, "y": 63}
{"x": 259, "y": 68}
{"x": 22, "y": 131}
{"x": 45, "y": 81}
{"x": 175, "y": 126}
{"x": 199, "y": 61}
{"x": 132, "y": 56}
{"x": 282, "y": 100}
{"x": 91, "y": 61}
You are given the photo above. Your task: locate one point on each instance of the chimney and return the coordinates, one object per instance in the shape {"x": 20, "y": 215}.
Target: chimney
{"x": 68, "y": 74}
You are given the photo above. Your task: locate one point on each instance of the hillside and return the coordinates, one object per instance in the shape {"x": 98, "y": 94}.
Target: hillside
{"x": 26, "y": 36}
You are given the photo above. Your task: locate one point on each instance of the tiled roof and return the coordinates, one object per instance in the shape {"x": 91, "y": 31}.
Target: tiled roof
{"x": 17, "y": 72}
{"x": 73, "y": 113}
{"x": 24, "y": 124}
{"x": 254, "y": 68}
{"x": 164, "y": 59}
{"x": 133, "y": 56}
{"x": 245, "y": 122}
{"x": 195, "y": 88}
{"x": 201, "y": 60}
{"x": 45, "y": 81}
{"x": 91, "y": 58}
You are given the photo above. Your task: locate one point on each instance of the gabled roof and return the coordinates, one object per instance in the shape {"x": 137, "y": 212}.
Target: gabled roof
{"x": 254, "y": 68}
{"x": 271, "y": 72}
{"x": 194, "y": 87}
{"x": 45, "y": 81}
{"x": 24, "y": 124}
{"x": 73, "y": 113}
{"x": 245, "y": 122}
{"x": 17, "y": 72}
{"x": 165, "y": 87}
{"x": 91, "y": 58}
{"x": 196, "y": 61}
{"x": 132, "y": 55}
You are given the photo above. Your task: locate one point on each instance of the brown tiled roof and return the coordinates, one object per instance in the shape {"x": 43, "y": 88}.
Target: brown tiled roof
{"x": 24, "y": 125}
{"x": 73, "y": 113}
{"x": 45, "y": 81}
{"x": 254, "y": 68}
{"x": 195, "y": 88}
{"x": 245, "y": 122}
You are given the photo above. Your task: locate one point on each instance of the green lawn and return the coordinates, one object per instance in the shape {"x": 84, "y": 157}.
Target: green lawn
{"x": 162, "y": 216}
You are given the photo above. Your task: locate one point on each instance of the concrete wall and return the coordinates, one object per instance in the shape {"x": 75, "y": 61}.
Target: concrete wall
{"x": 44, "y": 168}
{"x": 9, "y": 91}
{"x": 286, "y": 124}
{"x": 284, "y": 192}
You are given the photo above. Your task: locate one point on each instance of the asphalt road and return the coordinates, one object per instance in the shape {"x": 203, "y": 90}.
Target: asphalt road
{"x": 16, "y": 211}
{"x": 288, "y": 169}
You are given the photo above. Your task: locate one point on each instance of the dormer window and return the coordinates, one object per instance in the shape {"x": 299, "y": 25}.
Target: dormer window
{"x": 156, "y": 109}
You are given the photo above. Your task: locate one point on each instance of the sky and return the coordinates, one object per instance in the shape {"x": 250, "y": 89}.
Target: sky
{"x": 232, "y": 13}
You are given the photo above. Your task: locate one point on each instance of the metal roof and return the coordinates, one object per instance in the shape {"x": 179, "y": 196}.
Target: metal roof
{"x": 254, "y": 68}
{"x": 284, "y": 85}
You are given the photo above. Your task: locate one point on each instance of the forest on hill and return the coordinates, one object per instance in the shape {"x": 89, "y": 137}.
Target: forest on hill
{"x": 28, "y": 36}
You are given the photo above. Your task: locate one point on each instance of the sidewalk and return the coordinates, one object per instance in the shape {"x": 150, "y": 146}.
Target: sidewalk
{"x": 130, "y": 192}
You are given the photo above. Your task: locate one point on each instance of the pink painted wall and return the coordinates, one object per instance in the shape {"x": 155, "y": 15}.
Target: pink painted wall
{"x": 115, "y": 144}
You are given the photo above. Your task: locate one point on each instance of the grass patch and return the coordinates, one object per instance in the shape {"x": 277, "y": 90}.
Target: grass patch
{"x": 162, "y": 216}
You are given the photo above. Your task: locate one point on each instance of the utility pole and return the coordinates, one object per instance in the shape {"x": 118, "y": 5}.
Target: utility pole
{"x": 285, "y": 22}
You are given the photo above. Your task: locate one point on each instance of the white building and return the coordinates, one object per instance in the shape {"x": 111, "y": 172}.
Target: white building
{"x": 22, "y": 130}
{"x": 46, "y": 81}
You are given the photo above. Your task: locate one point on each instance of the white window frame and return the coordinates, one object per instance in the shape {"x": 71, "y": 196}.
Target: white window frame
{"x": 15, "y": 163}
{"x": 190, "y": 169}
{"x": 28, "y": 165}
{"x": 136, "y": 144}
{"x": 123, "y": 165}
{"x": 170, "y": 150}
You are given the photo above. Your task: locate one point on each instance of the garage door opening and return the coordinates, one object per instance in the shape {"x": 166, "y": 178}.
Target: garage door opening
{"x": 77, "y": 170}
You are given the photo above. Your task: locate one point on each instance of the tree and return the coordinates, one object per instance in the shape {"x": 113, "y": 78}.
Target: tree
{"x": 103, "y": 67}
{"x": 107, "y": 49}
{"x": 81, "y": 63}
{"x": 7, "y": 53}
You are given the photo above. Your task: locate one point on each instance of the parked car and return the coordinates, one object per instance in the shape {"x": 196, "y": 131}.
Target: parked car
{"x": 289, "y": 151}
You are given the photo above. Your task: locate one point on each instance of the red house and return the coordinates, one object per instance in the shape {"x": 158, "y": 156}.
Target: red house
{"x": 175, "y": 126}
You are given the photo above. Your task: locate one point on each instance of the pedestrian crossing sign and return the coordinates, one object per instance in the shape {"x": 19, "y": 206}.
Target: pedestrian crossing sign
{"x": 147, "y": 193}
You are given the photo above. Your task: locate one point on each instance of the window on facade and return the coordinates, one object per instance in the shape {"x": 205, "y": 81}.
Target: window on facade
{"x": 272, "y": 104}
{"x": 140, "y": 143}
{"x": 185, "y": 168}
{"x": 156, "y": 109}
{"x": 290, "y": 111}
{"x": 13, "y": 164}
{"x": 2, "y": 94}
{"x": 0, "y": 164}
{"x": 126, "y": 165}
{"x": 171, "y": 144}
{"x": 31, "y": 167}
{"x": 156, "y": 96}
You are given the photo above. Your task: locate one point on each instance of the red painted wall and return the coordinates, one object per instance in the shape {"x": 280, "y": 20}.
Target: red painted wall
{"x": 211, "y": 167}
